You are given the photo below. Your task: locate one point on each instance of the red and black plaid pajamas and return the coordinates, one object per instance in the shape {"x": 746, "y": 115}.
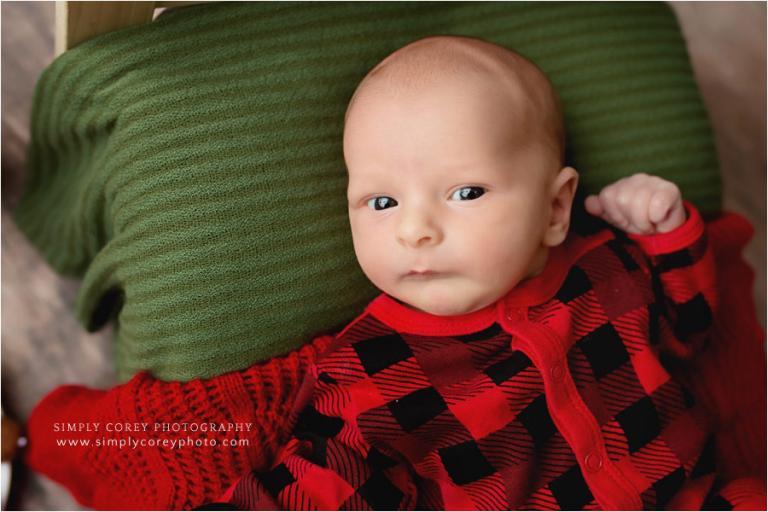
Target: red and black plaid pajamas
{"x": 556, "y": 397}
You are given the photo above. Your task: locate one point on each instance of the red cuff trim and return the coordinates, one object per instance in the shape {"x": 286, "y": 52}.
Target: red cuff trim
{"x": 679, "y": 238}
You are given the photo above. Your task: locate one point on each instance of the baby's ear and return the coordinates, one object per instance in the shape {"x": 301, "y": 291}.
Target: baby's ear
{"x": 561, "y": 196}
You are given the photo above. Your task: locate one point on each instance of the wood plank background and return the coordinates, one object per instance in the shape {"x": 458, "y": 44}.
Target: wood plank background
{"x": 42, "y": 346}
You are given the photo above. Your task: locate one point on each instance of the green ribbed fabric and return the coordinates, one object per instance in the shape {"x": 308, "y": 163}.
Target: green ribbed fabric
{"x": 190, "y": 170}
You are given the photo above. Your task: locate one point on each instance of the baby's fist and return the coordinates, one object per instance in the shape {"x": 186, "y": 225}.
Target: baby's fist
{"x": 639, "y": 204}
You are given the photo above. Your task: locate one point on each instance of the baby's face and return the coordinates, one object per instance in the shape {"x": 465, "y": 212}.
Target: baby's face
{"x": 449, "y": 196}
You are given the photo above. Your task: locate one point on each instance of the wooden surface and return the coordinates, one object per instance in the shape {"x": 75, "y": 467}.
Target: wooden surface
{"x": 79, "y": 21}
{"x": 42, "y": 346}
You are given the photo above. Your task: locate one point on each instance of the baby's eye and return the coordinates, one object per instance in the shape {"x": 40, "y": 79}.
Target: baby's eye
{"x": 467, "y": 193}
{"x": 381, "y": 203}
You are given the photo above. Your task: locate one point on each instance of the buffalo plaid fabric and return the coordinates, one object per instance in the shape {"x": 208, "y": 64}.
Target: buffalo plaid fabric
{"x": 558, "y": 396}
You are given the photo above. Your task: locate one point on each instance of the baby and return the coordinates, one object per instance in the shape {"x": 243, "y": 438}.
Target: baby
{"x": 508, "y": 363}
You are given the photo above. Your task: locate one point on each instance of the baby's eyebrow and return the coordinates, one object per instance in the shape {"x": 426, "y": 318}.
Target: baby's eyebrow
{"x": 368, "y": 179}
{"x": 461, "y": 166}
{"x": 357, "y": 193}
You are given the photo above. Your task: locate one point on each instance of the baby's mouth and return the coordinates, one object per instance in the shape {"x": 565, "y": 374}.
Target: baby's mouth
{"x": 422, "y": 274}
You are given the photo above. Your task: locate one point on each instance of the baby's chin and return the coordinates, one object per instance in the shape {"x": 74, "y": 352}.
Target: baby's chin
{"x": 440, "y": 303}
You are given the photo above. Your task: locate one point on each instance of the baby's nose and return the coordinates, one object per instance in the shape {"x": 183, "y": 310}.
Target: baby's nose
{"x": 418, "y": 229}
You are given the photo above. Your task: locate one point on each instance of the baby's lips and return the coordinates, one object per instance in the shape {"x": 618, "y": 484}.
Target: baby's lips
{"x": 422, "y": 274}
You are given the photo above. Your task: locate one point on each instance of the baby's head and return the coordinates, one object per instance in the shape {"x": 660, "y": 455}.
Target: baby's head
{"x": 457, "y": 189}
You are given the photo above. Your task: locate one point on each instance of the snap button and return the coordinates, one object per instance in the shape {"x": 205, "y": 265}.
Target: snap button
{"x": 593, "y": 462}
{"x": 557, "y": 372}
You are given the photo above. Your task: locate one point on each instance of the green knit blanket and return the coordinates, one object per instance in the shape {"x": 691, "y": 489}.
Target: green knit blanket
{"x": 190, "y": 170}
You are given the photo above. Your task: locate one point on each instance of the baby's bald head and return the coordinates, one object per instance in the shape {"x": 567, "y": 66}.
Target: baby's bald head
{"x": 453, "y": 149}
{"x": 521, "y": 91}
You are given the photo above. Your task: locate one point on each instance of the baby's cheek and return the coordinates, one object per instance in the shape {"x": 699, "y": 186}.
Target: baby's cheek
{"x": 379, "y": 267}
{"x": 505, "y": 262}
{"x": 495, "y": 253}
{"x": 374, "y": 267}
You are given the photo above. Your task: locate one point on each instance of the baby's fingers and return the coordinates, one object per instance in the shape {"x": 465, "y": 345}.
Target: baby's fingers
{"x": 613, "y": 201}
{"x": 662, "y": 201}
{"x": 593, "y": 206}
{"x": 665, "y": 209}
{"x": 639, "y": 213}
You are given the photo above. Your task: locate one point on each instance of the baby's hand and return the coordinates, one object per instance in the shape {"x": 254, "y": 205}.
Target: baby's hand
{"x": 639, "y": 204}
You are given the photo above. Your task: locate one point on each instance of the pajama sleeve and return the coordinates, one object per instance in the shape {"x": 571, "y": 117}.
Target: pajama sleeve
{"x": 160, "y": 445}
{"x": 327, "y": 465}
{"x": 683, "y": 277}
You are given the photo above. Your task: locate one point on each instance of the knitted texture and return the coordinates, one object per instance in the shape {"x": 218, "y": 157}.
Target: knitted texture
{"x": 190, "y": 170}
{"x": 156, "y": 477}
